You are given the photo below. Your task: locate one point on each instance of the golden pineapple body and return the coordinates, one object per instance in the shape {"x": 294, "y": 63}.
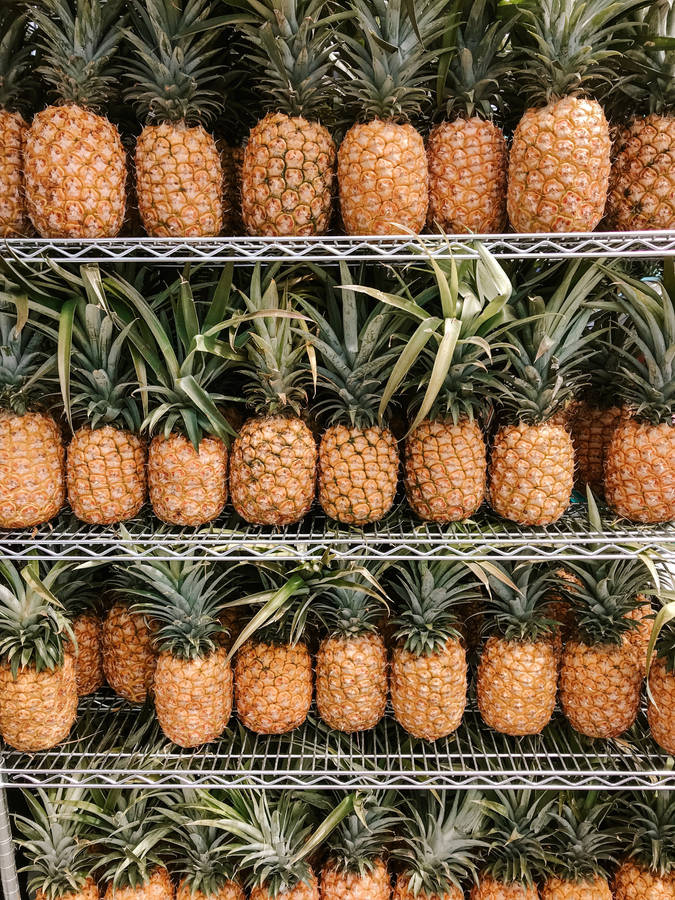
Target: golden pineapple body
{"x": 402, "y": 891}
{"x": 467, "y": 177}
{"x": 301, "y": 891}
{"x": 661, "y": 709}
{"x": 273, "y": 686}
{"x": 193, "y": 698}
{"x": 287, "y": 177}
{"x": 599, "y": 688}
{"x": 89, "y": 660}
{"x": 517, "y": 685}
{"x": 444, "y": 469}
{"x": 75, "y": 174}
{"x": 637, "y": 641}
{"x": 179, "y": 181}
{"x": 633, "y": 881}
{"x": 351, "y": 681}
{"x": 105, "y": 474}
{"x": 640, "y": 471}
{"x": 32, "y": 469}
{"x": 343, "y": 885}
{"x": 641, "y": 193}
{"x": 88, "y": 891}
{"x": 187, "y": 487}
{"x": 428, "y": 693}
{"x": 273, "y": 470}
{"x": 231, "y": 890}
{"x": 559, "y": 167}
{"x": 592, "y": 431}
{"x": 158, "y": 887}
{"x": 588, "y": 889}
{"x": 13, "y": 214}
{"x": 38, "y": 709}
{"x": 383, "y": 179}
{"x": 531, "y": 473}
{"x": 358, "y": 473}
{"x": 489, "y": 888}
{"x": 129, "y": 659}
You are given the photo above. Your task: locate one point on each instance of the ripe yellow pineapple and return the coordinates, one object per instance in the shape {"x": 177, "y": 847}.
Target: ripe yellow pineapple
{"x": 660, "y": 666}
{"x": 373, "y": 884}
{"x": 273, "y": 685}
{"x": 158, "y": 886}
{"x": 129, "y": 658}
{"x": 74, "y": 160}
{"x": 14, "y": 60}
{"x": 188, "y": 486}
{"x": 88, "y": 631}
{"x": 646, "y": 826}
{"x": 592, "y": 429}
{"x": 635, "y": 882}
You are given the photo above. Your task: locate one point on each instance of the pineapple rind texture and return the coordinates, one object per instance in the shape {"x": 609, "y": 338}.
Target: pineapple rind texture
{"x": 637, "y": 640}
{"x": 640, "y": 471}
{"x": 428, "y": 692}
{"x": 287, "y": 177}
{"x": 13, "y": 215}
{"x": 32, "y": 469}
{"x": 559, "y": 168}
{"x": 231, "y": 161}
{"x": 231, "y": 890}
{"x": 351, "y": 681}
{"x": 128, "y": 657}
{"x": 358, "y": 473}
{"x": 661, "y": 709}
{"x": 89, "y": 659}
{"x": 592, "y": 431}
{"x": 531, "y": 473}
{"x": 599, "y": 688}
{"x": 75, "y": 174}
{"x": 105, "y": 474}
{"x": 186, "y": 487}
{"x": 158, "y": 887}
{"x": 38, "y": 709}
{"x": 642, "y": 181}
{"x": 301, "y": 891}
{"x": 193, "y": 698}
{"x": 383, "y": 179}
{"x": 588, "y": 889}
{"x": 179, "y": 181}
{"x": 402, "y": 892}
{"x": 273, "y": 686}
{"x": 445, "y": 470}
{"x": 517, "y": 685}
{"x": 467, "y": 177}
{"x": 88, "y": 891}
{"x": 634, "y": 882}
{"x": 345, "y": 885}
{"x": 489, "y": 888}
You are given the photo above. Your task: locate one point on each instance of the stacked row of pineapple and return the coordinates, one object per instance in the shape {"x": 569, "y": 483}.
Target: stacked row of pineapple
{"x": 383, "y": 65}
{"x": 375, "y": 845}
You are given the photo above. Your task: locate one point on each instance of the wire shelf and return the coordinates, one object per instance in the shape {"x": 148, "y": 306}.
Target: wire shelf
{"x": 249, "y": 250}
{"x": 397, "y": 537}
{"x": 114, "y": 743}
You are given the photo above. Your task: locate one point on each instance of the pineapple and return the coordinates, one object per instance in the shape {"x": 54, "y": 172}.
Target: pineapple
{"x": 518, "y": 670}
{"x": 193, "y": 678}
{"x": 467, "y": 155}
{"x": 289, "y": 159}
{"x": 14, "y": 65}
{"x": 641, "y": 186}
{"x": 428, "y": 667}
{"x": 383, "y": 174}
{"x": 81, "y": 597}
{"x": 661, "y": 680}
{"x": 231, "y": 161}
{"x": 640, "y": 461}
{"x": 38, "y": 691}
{"x": 559, "y": 162}
{"x": 646, "y": 824}
{"x": 129, "y": 658}
{"x": 531, "y": 472}
{"x": 179, "y": 177}
{"x": 74, "y": 160}
{"x": 32, "y": 454}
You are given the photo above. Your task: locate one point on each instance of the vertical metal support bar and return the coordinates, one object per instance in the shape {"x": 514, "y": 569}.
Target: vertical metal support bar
{"x": 10, "y": 880}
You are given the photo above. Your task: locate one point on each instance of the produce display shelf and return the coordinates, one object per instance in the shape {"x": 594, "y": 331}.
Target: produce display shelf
{"x": 115, "y": 743}
{"x": 333, "y": 248}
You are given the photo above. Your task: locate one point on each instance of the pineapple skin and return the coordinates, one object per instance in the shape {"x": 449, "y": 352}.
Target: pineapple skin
{"x": 641, "y": 193}
{"x": 158, "y": 887}
{"x": 13, "y": 214}
{"x": 640, "y": 472}
{"x": 89, "y": 659}
{"x": 468, "y": 161}
{"x": 75, "y": 174}
{"x": 32, "y": 469}
{"x": 599, "y": 688}
{"x": 358, "y": 473}
{"x": 517, "y": 685}
{"x": 231, "y": 890}
{"x": 489, "y": 888}
{"x": 634, "y": 882}
{"x": 559, "y": 167}
{"x": 402, "y": 892}
{"x": 37, "y": 710}
{"x": 637, "y": 641}
{"x": 186, "y": 487}
{"x": 351, "y": 681}
{"x": 343, "y": 885}
{"x": 531, "y": 473}
{"x": 428, "y": 693}
{"x": 589, "y": 889}
{"x": 105, "y": 474}
{"x": 273, "y": 470}
{"x": 445, "y": 470}
{"x": 129, "y": 659}
{"x": 193, "y": 698}
{"x": 273, "y": 686}
{"x": 301, "y": 891}
{"x": 383, "y": 179}
{"x": 287, "y": 177}
{"x": 592, "y": 431}
{"x": 231, "y": 162}
{"x": 661, "y": 708}
{"x": 88, "y": 891}
{"x": 179, "y": 181}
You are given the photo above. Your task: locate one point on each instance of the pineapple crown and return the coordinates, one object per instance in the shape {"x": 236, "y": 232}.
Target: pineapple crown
{"x": 651, "y": 61}
{"x": 581, "y": 843}
{"x": 24, "y": 364}
{"x": 53, "y": 841}
{"x": 172, "y": 65}
{"x": 603, "y": 360}
{"x": 79, "y": 39}
{"x": 427, "y": 597}
{"x": 516, "y": 825}
{"x": 361, "y": 838}
{"x": 351, "y": 611}
{"x": 518, "y": 601}
{"x": 441, "y": 843}
{"x": 15, "y": 59}
{"x": 645, "y": 824}
{"x": 80, "y": 592}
